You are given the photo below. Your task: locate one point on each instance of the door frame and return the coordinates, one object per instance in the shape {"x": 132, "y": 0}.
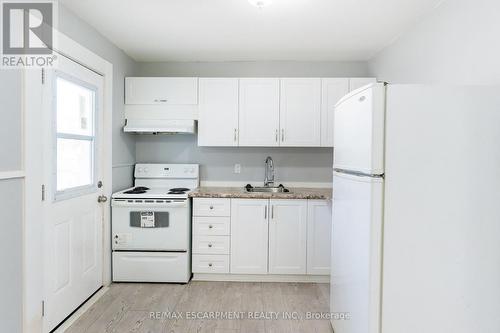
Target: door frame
{"x": 33, "y": 224}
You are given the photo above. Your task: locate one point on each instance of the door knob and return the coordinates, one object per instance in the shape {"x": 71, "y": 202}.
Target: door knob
{"x": 102, "y": 198}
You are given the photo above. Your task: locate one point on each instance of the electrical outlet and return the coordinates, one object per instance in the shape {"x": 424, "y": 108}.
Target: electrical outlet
{"x": 237, "y": 168}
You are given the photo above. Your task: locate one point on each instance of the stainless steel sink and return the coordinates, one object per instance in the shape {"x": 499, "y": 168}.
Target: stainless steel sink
{"x": 275, "y": 189}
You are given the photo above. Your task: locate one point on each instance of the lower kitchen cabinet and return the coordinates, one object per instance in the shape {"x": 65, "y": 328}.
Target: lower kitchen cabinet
{"x": 319, "y": 235}
{"x": 288, "y": 237}
{"x": 245, "y": 238}
{"x": 249, "y": 236}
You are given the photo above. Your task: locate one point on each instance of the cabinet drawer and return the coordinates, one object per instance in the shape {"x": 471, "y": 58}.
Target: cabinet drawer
{"x": 210, "y": 244}
{"x": 211, "y": 226}
{"x": 206, "y": 263}
{"x": 212, "y": 207}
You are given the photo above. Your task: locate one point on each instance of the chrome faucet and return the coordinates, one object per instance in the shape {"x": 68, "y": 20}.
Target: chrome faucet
{"x": 269, "y": 177}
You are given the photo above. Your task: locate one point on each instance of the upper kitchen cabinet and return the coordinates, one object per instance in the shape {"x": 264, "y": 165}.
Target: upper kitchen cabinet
{"x": 218, "y": 112}
{"x": 358, "y": 82}
{"x": 332, "y": 91}
{"x": 161, "y": 91}
{"x": 259, "y": 112}
{"x": 300, "y": 112}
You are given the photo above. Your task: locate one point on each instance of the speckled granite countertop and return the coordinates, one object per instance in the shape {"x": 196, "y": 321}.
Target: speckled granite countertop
{"x": 239, "y": 192}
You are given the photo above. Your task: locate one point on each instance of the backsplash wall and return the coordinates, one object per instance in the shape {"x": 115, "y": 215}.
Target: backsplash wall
{"x": 217, "y": 164}
{"x": 310, "y": 165}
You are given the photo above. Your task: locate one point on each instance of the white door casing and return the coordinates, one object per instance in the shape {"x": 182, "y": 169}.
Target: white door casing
{"x": 73, "y": 219}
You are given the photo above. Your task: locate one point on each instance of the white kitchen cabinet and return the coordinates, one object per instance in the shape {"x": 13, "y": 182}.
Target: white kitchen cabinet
{"x": 333, "y": 90}
{"x": 249, "y": 236}
{"x": 161, "y": 90}
{"x": 358, "y": 82}
{"x": 300, "y": 112}
{"x": 259, "y": 116}
{"x": 319, "y": 235}
{"x": 287, "y": 236}
{"x": 218, "y": 112}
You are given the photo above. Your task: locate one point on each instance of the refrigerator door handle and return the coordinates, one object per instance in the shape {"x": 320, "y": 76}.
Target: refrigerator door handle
{"x": 357, "y": 173}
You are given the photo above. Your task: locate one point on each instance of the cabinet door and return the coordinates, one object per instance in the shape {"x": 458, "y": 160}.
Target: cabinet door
{"x": 332, "y": 91}
{"x": 300, "y": 112}
{"x": 249, "y": 236}
{"x": 259, "y": 112}
{"x": 319, "y": 235}
{"x": 161, "y": 90}
{"x": 287, "y": 236}
{"x": 218, "y": 112}
{"x": 358, "y": 82}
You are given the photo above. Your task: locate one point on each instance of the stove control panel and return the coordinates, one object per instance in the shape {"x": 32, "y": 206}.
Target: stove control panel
{"x": 166, "y": 170}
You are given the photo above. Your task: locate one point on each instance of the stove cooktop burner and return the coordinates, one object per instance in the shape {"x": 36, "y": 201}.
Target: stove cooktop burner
{"x": 137, "y": 190}
{"x": 178, "y": 190}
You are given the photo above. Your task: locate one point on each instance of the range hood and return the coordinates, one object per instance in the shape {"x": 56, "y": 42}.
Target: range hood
{"x": 160, "y": 126}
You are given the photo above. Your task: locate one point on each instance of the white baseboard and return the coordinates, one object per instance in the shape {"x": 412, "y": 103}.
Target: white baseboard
{"x": 4, "y": 175}
{"x": 261, "y": 278}
{"x": 78, "y": 313}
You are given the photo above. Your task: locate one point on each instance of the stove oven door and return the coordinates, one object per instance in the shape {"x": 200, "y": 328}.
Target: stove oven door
{"x": 150, "y": 225}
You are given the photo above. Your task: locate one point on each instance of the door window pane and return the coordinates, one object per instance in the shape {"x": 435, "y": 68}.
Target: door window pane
{"x": 74, "y": 163}
{"x": 75, "y": 105}
{"x": 75, "y": 137}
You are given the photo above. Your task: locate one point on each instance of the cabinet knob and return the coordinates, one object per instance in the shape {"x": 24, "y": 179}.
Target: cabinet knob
{"x": 210, "y": 226}
{"x": 209, "y": 245}
{"x": 210, "y": 265}
{"x": 211, "y": 207}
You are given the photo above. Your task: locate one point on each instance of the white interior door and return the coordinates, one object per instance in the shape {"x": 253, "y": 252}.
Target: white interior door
{"x": 356, "y": 252}
{"x": 73, "y": 227}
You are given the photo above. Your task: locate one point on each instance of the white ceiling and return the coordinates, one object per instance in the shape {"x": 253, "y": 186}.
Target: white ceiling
{"x": 234, "y": 30}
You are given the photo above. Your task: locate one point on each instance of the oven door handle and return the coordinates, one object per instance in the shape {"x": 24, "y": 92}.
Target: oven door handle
{"x": 125, "y": 203}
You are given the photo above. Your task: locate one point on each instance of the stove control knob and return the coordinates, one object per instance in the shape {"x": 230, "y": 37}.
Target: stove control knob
{"x": 146, "y": 170}
{"x": 139, "y": 170}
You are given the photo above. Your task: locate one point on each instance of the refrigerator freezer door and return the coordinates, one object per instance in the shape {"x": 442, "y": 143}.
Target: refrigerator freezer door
{"x": 359, "y": 131}
{"x": 356, "y": 253}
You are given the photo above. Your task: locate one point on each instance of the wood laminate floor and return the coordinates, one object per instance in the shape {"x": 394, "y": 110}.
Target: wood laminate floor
{"x": 143, "y": 307}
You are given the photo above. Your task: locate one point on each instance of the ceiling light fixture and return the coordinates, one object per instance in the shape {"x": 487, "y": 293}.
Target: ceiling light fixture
{"x": 260, "y": 3}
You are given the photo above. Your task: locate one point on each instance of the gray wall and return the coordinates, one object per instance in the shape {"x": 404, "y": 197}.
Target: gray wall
{"x": 456, "y": 43}
{"x": 11, "y": 202}
{"x": 217, "y": 164}
{"x": 123, "y": 65}
{"x": 254, "y": 69}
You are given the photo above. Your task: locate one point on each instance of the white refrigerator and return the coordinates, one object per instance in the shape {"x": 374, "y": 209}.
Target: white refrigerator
{"x": 416, "y": 210}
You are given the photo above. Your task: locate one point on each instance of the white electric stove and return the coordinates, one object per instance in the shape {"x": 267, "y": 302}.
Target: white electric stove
{"x": 151, "y": 224}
